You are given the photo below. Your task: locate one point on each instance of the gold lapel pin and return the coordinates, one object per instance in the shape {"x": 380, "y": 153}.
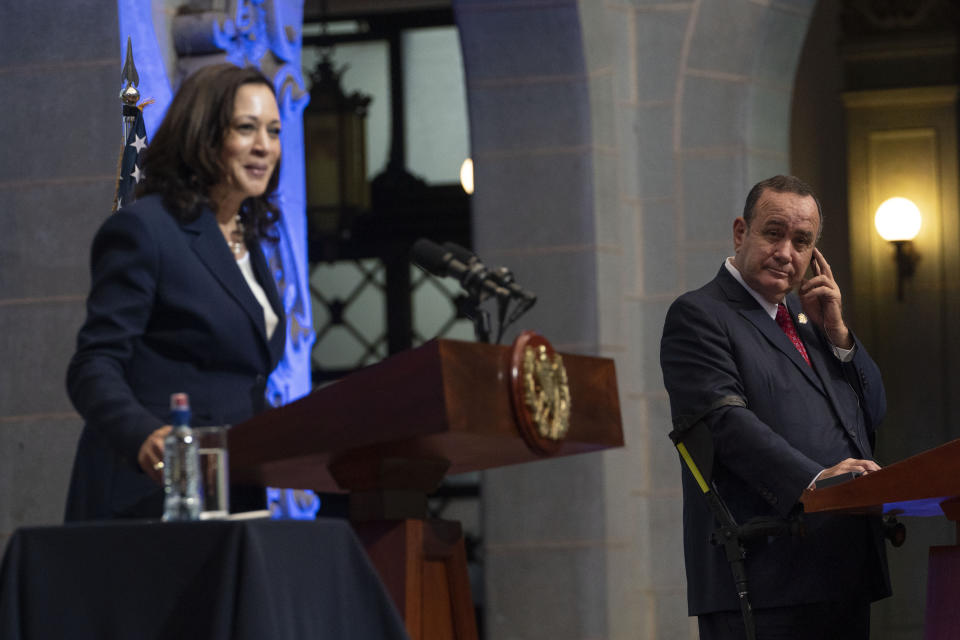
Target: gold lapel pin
{"x": 802, "y": 318}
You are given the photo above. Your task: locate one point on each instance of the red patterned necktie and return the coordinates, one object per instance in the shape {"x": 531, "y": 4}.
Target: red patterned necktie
{"x": 786, "y": 323}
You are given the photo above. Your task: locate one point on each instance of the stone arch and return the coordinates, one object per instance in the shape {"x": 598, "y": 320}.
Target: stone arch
{"x": 529, "y": 105}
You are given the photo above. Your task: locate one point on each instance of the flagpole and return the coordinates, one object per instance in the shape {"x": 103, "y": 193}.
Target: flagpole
{"x": 129, "y": 95}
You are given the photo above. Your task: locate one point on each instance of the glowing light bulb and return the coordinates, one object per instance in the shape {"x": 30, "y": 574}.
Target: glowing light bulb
{"x": 466, "y": 176}
{"x": 897, "y": 219}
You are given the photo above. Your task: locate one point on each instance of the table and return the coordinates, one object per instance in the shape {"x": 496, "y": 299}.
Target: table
{"x": 212, "y": 580}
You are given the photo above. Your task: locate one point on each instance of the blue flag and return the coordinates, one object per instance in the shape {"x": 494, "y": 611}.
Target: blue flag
{"x": 130, "y": 162}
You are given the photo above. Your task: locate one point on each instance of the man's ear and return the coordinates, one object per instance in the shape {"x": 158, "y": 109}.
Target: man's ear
{"x": 739, "y": 232}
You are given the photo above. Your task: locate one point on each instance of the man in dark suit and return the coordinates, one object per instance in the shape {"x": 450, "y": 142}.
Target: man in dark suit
{"x": 813, "y": 399}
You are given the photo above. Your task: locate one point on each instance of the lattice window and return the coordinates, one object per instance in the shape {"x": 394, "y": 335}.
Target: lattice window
{"x": 349, "y": 313}
{"x": 437, "y": 308}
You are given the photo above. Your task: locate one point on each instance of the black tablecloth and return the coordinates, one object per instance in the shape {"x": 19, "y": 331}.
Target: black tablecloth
{"x": 240, "y": 580}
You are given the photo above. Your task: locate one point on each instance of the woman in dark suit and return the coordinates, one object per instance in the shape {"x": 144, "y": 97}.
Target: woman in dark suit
{"x": 181, "y": 298}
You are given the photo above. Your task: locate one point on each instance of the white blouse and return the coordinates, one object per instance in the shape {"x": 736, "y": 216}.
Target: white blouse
{"x": 269, "y": 316}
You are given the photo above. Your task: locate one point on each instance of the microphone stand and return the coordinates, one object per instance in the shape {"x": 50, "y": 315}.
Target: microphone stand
{"x": 501, "y": 317}
{"x": 481, "y": 323}
{"x": 479, "y": 316}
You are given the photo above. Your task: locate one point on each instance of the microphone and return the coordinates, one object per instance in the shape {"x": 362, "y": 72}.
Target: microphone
{"x": 440, "y": 261}
{"x": 501, "y": 275}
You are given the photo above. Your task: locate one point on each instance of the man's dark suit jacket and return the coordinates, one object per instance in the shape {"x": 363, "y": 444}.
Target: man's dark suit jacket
{"x": 168, "y": 311}
{"x": 718, "y": 341}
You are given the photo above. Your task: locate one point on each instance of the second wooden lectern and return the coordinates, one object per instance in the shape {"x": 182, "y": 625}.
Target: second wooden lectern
{"x": 388, "y": 434}
{"x": 926, "y": 484}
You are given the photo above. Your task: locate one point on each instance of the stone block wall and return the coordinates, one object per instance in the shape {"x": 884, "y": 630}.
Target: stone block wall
{"x": 61, "y": 132}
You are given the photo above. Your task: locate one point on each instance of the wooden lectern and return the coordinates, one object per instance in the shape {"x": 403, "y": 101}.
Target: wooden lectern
{"x": 927, "y": 484}
{"x": 388, "y": 434}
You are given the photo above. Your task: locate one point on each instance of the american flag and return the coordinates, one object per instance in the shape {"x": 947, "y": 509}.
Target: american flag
{"x": 130, "y": 161}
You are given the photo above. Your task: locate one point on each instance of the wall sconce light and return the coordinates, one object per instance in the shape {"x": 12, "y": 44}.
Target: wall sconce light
{"x": 898, "y": 222}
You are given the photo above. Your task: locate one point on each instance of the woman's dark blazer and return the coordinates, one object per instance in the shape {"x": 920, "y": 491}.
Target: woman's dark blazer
{"x": 168, "y": 311}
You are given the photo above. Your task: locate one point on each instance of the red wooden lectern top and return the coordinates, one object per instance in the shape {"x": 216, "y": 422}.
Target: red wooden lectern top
{"x": 921, "y": 485}
{"x": 926, "y": 484}
{"x": 446, "y": 400}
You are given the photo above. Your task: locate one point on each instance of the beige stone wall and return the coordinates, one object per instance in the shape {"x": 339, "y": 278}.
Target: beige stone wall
{"x": 61, "y": 132}
{"x": 700, "y": 111}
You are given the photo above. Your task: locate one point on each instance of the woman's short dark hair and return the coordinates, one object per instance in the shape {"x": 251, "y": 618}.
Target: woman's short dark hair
{"x": 182, "y": 162}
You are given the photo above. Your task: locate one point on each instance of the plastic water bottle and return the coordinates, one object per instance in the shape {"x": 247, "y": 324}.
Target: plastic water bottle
{"x": 180, "y": 470}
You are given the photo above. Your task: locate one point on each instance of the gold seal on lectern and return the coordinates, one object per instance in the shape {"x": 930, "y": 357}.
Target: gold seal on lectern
{"x": 541, "y": 393}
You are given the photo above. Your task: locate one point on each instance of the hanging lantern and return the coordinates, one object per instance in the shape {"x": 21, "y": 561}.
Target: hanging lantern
{"x": 334, "y": 135}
